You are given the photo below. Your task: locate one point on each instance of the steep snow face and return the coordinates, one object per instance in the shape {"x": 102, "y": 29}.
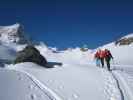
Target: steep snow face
{"x": 12, "y": 34}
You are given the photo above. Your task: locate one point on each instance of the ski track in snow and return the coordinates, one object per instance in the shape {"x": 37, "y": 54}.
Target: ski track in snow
{"x": 125, "y": 78}
{"x": 20, "y": 78}
{"x": 111, "y": 89}
{"x": 45, "y": 90}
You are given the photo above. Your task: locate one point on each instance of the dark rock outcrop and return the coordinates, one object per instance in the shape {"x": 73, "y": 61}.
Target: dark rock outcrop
{"x": 30, "y": 54}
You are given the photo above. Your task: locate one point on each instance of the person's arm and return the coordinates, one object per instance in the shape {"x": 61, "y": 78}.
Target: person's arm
{"x": 111, "y": 56}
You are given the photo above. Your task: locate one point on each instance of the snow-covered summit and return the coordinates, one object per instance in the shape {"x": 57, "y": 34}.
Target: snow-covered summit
{"x": 12, "y": 34}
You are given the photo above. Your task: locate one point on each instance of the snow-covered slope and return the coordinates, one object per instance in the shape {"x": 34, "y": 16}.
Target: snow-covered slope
{"x": 74, "y": 82}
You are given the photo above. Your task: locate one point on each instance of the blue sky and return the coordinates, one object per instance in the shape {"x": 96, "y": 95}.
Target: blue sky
{"x": 70, "y": 23}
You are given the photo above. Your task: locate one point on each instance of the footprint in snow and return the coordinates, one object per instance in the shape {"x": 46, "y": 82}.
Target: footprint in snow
{"x": 75, "y": 96}
{"x": 19, "y": 77}
{"x": 112, "y": 98}
{"x": 31, "y": 87}
{"x": 50, "y": 81}
{"x": 69, "y": 99}
{"x": 61, "y": 87}
{"x": 33, "y": 96}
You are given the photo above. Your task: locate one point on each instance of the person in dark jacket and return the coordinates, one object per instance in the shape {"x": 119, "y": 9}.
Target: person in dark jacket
{"x": 108, "y": 57}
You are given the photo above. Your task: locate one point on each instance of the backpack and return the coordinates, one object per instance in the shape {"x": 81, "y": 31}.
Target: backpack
{"x": 107, "y": 53}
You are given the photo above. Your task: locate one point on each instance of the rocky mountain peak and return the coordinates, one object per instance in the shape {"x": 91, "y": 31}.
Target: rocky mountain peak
{"x": 12, "y": 34}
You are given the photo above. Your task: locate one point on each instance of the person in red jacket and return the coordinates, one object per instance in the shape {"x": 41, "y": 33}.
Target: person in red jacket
{"x": 97, "y": 57}
{"x": 102, "y": 56}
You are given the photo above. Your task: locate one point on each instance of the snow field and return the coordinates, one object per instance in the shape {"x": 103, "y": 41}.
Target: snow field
{"x": 47, "y": 91}
{"x": 74, "y": 82}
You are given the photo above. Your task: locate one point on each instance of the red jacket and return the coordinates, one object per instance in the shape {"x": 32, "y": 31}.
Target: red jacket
{"x": 97, "y": 55}
{"x": 102, "y": 54}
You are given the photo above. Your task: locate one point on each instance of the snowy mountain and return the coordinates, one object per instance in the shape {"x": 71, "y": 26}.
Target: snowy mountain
{"x": 11, "y": 39}
{"x": 12, "y": 34}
